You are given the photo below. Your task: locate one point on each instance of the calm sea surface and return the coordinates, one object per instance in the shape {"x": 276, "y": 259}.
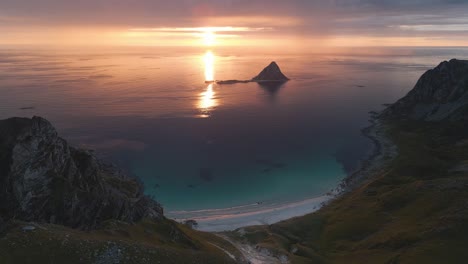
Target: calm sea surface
{"x": 199, "y": 146}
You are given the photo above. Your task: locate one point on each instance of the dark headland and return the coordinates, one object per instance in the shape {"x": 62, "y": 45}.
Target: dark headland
{"x": 270, "y": 74}
{"x": 61, "y": 204}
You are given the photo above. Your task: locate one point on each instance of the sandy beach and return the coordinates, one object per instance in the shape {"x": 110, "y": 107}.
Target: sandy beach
{"x": 217, "y": 220}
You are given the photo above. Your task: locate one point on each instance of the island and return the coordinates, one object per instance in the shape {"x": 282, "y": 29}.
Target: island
{"x": 270, "y": 74}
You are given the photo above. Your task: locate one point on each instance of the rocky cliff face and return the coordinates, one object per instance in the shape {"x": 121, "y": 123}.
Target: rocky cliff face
{"x": 441, "y": 93}
{"x": 44, "y": 179}
{"x": 271, "y": 73}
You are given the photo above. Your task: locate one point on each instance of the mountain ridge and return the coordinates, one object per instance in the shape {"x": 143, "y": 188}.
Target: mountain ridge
{"x": 441, "y": 93}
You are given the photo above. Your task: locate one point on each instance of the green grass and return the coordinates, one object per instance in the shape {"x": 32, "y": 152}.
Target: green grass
{"x": 145, "y": 242}
{"x": 414, "y": 211}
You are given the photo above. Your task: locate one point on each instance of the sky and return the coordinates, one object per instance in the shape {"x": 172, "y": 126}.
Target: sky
{"x": 294, "y": 23}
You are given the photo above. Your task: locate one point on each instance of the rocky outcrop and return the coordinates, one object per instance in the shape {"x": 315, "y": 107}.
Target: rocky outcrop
{"x": 441, "y": 93}
{"x": 272, "y": 73}
{"x": 44, "y": 179}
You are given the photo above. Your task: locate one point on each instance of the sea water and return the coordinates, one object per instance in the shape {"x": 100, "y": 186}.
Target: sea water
{"x": 199, "y": 146}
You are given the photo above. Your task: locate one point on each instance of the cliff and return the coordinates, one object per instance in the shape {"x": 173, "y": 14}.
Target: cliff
{"x": 440, "y": 93}
{"x": 44, "y": 179}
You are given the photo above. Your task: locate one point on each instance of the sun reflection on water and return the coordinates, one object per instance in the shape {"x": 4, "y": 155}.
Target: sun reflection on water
{"x": 209, "y": 59}
{"x": 207, "y": 100}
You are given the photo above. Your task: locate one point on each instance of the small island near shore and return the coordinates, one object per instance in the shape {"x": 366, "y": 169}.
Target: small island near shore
{"x": 62, "y": 204}
{"x": 269, "y": 75}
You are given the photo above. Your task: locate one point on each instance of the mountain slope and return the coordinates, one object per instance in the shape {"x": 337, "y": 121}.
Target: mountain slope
{"x": 439, "y": 94}
{"x": 414, "y": 210}
{"x": 44, "y": 179}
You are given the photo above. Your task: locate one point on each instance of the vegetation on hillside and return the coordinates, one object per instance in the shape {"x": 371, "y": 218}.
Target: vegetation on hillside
{"x": 116, "y": 242}
{"x": 414, "y": 211}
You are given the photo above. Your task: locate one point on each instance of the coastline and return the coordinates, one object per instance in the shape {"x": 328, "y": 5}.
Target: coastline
{"x": 384, "y": 151}
{"x": 228, "y": 219}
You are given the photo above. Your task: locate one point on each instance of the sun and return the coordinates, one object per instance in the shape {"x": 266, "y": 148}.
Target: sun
{"x": 209, "y": 37}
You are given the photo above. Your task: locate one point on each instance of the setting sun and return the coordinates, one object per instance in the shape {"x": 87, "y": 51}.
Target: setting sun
{"x": 209, "y": 38}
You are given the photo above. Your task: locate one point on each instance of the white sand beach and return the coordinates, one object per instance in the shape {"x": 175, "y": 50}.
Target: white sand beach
{"x": 217, "y": 220}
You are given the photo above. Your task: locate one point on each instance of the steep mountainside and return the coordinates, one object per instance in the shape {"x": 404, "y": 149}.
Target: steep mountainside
{"x": 439, "y": 94}
{"x": 43, "y": 179}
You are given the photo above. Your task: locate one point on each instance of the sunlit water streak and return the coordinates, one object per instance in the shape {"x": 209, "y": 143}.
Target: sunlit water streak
{"x": 209, "y": 60}
{"x": 207, "y": 100}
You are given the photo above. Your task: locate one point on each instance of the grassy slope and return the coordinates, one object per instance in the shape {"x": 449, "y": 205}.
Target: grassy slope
{"x": 117, "y": 242}
{"x": 415, "y": 211}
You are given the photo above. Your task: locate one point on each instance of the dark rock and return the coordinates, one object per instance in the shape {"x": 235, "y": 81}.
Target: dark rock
{"x": 233, "y": 81}
{"x": 271, "y": 78}
{"x": 44, "y": 179}
{"x": 271, "y": 73}
{"x": 191, "y": 223}
{"x": 441, "y": 93}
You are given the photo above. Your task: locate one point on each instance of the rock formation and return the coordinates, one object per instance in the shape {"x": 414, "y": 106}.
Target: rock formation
{"x": 271, "y": 73}
{"x": 44, "y": 179}
{"x": 441, "y": 93}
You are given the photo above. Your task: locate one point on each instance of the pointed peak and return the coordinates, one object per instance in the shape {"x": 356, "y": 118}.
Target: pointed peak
{"x": 273, "y": 65}
{"x": 271, "y": 73}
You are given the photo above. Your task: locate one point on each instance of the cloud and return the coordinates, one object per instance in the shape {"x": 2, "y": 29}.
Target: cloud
{"x": 200, "y": 29}
{"x": 294, "y": 18}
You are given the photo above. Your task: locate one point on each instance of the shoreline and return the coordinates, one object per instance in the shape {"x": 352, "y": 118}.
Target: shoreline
{"x": 384, "y": 151}
{"x": 228, "y": 219}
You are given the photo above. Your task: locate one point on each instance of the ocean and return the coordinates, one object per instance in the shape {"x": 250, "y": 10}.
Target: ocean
{"x": 199, "y": 146}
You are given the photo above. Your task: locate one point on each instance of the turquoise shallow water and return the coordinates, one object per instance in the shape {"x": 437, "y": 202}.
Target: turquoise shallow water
{"x": 199, "y": 146}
